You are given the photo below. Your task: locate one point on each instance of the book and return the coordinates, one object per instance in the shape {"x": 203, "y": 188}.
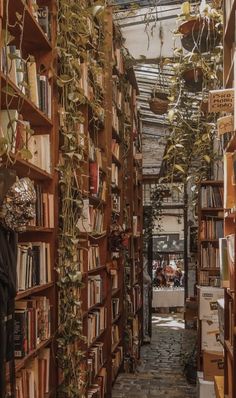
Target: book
{"x": 223, "y": 262}
{"x": 231, "y": 258}
{"x": 33, "y": 81}
{"x": 43, "y": 19}
{"x": 39, "y": 146}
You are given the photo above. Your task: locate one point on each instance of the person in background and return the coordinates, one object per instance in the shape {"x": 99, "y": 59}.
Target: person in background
{"x": 160, "y": 279}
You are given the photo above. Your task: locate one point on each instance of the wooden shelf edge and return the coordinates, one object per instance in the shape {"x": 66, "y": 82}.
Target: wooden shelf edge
{"x": 42, "y": 116}
{"x": 22, "y": 294}
{"x": 95, "y": 270}
{"x": 20, "y": 363}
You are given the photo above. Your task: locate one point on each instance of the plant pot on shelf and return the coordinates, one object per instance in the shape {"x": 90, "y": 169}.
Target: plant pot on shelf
{"x": 159, "y": 103}
{"x": 193, "y": 79}
{"x": 199, "y": 35}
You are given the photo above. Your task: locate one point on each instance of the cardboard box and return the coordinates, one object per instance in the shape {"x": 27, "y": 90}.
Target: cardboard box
{"x": 213, "y": 365}
{"x": 208, "y": 307}
{"x": 205, "y": 389}
{"x": 210, "y": 336}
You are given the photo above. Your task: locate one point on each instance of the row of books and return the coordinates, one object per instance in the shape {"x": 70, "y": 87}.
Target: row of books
{"x": 137, "y": 297}
{"x": 98, "y": 388}
{"x": 95, "y": 361}
{"x": 97, "y": 182}
{"x": 227, "y": 260}
{"x": 115, "y": 308}
{"x": 95, "y": 290}
{"x": 91, "y": 220}
{"x": 114, "y": 278}
{"x": 34, "y": 380}
{"x": 41, "y": 14}
{"x": 118, "y": 59}
{"x": 115, "y": 119}
{"x": 116, "y": 92}
{"x": 127, "y": 109}
{"x": 33, "y": 264}
{"x": 93, "y": 257}
{"x": 19, "y": 136}
{"x": 32, "y": 324}
{"x": 114, "y": 175}
{"x": 44, "y": 209}
{"x": 97, "y": 323}
{"x": 95, "y": 154}
{"x": 211, "y": 229}
{"x": 117, "y": 359}
{"x": 115, "y": 148}
{"x": 229, "y": 179}
{"x": 24, "y": 74}
{"x": 115, "y": 336}
{"x": 207, "y": 279}
{"x": 115, "y": 202}
{"x": 212, "y": 196}
{"x": 209, "y": 256}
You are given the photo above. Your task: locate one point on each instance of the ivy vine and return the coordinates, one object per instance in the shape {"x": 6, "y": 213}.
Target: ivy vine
{"x": 79, "y": 30}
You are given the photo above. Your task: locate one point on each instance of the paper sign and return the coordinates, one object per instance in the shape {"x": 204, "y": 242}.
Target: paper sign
{"x": 225, "y": 125}
{"x": 221, "y": 100}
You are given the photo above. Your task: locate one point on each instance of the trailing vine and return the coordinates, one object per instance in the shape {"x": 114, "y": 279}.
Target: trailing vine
{"x": 78, "y": 31}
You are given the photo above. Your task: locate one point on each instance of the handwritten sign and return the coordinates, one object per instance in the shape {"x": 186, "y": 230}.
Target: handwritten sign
{"x": 225, "y": 124}
{"x": 221, "y": 100}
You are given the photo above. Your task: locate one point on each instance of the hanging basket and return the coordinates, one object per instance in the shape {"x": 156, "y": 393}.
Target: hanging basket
{"x": 159, "y": 103}
{"x": 199, "y": 35}
{"x": 193, "y": 79}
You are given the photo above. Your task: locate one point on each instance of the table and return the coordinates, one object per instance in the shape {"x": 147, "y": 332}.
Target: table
{"x": 167, "y": 297}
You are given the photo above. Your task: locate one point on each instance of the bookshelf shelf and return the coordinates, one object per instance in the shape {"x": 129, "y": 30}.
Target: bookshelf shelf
{"x": 21, "y": 363}
{"x": 96, "y": 270}
{"x": 116, "y": 319}
{"x": 212, "y": 209}
{"x": 33, "y": 37}
{"x": 116, "y": 161}
{"x": 29, "y": 111}
{"x": 115, "y": 292}
{"x": 114, "y": 348}
{"x": 26, "y": 168}
{"x": 97, "y": 338}
{"x": 36, "y": 289}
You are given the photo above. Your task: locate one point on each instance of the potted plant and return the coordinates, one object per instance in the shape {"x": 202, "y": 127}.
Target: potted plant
{"x": 200, "y": 32}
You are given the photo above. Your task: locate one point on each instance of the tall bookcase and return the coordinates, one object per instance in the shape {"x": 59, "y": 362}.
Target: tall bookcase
{"x": 109, "y": 175}
{"x": 28, "y": 104}
{"x": 111, "y": 221}
{"x": 229, "y": 279}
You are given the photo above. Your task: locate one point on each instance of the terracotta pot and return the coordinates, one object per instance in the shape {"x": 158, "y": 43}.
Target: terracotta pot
{"x": 193, "y": 79}
{"x": 199, "y": 35}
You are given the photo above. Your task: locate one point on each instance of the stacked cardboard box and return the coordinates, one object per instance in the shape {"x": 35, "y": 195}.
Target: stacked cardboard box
{"x": 211, "y": 346}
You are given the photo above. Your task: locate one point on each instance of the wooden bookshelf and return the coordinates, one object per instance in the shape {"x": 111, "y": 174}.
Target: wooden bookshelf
{"x": 29, "y": 39}
{"x": 229, "y": 387}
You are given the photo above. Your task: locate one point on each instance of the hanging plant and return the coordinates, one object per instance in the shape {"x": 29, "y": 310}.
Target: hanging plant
{"x": 200, "y": 32}
{"x": 158, "y": 102}
{"x": 193, "y": 79}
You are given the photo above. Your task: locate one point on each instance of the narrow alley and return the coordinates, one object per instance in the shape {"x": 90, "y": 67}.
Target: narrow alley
{"x": 160, "y": 373}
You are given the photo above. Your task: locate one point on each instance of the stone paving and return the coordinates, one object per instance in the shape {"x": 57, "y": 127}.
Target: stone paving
{"x": 160, "y": 373}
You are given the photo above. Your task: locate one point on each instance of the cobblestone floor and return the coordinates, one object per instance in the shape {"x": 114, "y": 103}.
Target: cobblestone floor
{"x": 160, "y": 373}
